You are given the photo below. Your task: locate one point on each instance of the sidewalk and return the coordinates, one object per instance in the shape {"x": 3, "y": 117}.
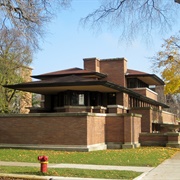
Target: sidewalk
{"x": 78, "y": 166}
{"x": 169, "y": 169}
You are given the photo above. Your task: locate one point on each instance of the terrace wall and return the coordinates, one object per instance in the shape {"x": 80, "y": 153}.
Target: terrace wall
{"x": 147, "y": 116}
{"x": 169, "y": 118}
{"x": 150, "y": 115}
{"x": 70, "y": 131}
{"x": 122, "y": 131}
{"x": 153, "y": 139}
{"x": 170, "y": 139}
{"x": 146, "y": 92}
{"x": 75, "y": 131}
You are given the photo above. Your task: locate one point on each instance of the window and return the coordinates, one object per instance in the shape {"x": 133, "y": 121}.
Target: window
{"x": 77, "y": 98}
{"x": 135, "y": 83}
{"x": 81, "y": 99}
{"x": 111, "y": 98}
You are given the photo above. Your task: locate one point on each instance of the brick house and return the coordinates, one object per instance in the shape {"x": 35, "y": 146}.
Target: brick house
{"x": 104, "y": 105}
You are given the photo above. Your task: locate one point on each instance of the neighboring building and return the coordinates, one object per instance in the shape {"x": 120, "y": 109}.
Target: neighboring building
{"x": 14, "y": 101}
{"x": 25, "y": 101}
{"x": 117, "y": 103}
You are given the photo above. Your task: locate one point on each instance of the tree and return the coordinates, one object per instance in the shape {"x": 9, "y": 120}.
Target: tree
{"x": 28, "y": 17}
{"x": 134, "y": 17}
{"x": 172, "y": 100}
{"x": 15, "y": 56}
{"x": 167, "y": 61}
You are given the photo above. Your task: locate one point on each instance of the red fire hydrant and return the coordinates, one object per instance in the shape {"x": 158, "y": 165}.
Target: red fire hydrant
{"x": 44, "y": 161}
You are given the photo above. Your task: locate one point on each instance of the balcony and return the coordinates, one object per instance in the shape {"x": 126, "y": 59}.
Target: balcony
{"x": 146, "y": 92}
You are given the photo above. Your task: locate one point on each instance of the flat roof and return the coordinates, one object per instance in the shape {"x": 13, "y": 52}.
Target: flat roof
{"x": 73, "y": 82}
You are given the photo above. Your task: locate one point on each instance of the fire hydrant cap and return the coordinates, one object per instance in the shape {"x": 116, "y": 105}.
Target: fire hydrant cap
{"x": 42, "y": 158}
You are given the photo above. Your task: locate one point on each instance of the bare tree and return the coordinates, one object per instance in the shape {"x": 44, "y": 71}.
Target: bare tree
{"x": 15, "y": 56}
{"x": 133, "y": 17}
{"x": 172, "y": 100}
{"x": 29, "y": 16}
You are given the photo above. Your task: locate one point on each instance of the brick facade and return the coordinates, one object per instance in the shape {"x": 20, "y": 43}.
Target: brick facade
{"x": 104, "y": 104}
{"x": 153, "y": 139}
{"x": 170, "y": 139}
{"x": 64, "y": 131}
{"x": 146, "y": 92}
{"x": 146, "y": 121}
{"x": 92, "y": 64}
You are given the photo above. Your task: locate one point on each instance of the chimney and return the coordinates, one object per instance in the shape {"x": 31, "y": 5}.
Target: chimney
{"x": 92, "y": 64}
{"x": 116, "y": 69}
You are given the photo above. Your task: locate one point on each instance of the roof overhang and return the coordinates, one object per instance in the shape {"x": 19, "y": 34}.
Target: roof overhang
{"x": 150, "y": 79}
{"x": 49, "y": 88}
{"x": 80, "y": 73}
{"x": 101, "y": 86}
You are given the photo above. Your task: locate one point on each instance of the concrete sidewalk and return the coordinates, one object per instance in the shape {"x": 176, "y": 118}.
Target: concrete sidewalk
{"x": 169, "y": 169}
{"x": 78, "y": 166}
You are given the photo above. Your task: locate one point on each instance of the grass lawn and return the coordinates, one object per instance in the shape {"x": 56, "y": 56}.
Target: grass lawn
{"x": 144, "y": 156}
{"x": 65, "y": 172}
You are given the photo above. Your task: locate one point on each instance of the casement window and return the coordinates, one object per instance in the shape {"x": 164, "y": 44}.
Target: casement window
{"x": 135, "y": 83}
{"x": 111, "y": 98}
{"x": 77, "y": 98}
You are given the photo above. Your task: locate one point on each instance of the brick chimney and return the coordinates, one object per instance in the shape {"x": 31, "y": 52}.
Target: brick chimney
{"x": 115, "y": 69}
{"x": 92, "y": 64}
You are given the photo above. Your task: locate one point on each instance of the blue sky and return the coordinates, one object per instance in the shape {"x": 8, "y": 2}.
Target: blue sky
{"x": 67, "y": 43}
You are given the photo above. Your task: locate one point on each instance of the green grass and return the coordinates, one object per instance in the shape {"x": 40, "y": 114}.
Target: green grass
{"x": 65, "y": 172}
{"x": 144, "y": 156}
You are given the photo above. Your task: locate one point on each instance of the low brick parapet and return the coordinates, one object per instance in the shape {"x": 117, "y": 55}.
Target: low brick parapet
{"x": 173, "y": 139}
{"x": 117, "y": 109}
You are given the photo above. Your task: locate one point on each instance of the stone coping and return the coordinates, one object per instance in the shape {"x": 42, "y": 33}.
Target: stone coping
{"x": 117, "y": 106}
{"x": 67, "y": 114}
{"x": 76, "y": 107}
{"x": 92, "y": 147}
{"x": 161, "y": 134}
{"x": 166, "y": 112}
{"x": 173, "y": 133}
{"x": 100, "y": 107}
{"x": 153, "y": 134}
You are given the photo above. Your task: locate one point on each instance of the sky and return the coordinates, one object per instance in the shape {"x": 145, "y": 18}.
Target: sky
{"x": 67, "y": 42}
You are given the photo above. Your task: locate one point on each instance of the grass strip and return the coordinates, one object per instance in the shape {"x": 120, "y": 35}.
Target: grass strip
{"x": 66, "y": 172}
{"x": 144, "y": 156}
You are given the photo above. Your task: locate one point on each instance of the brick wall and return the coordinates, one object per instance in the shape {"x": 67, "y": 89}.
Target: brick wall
{"x": 122, "y": 99}
{"x": 146, "y": 92}
{"x": 123, "y": 130}
{"x": 59, "y": 130}
{"x": 92, "y": 64}
{"x": 146, "y": 122}
{"x": 62, "y": 130}
{"x": 26, "y": 97}
{"x": 118, "y": 67}
{"x": 95, "y": 129}
{"x": 115, "y": 129}
{"x": 169, "y": 118}
{"x": 173, "y": 139}
{"x": 132, "y": 128}
{"x": 153, "y": 139}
